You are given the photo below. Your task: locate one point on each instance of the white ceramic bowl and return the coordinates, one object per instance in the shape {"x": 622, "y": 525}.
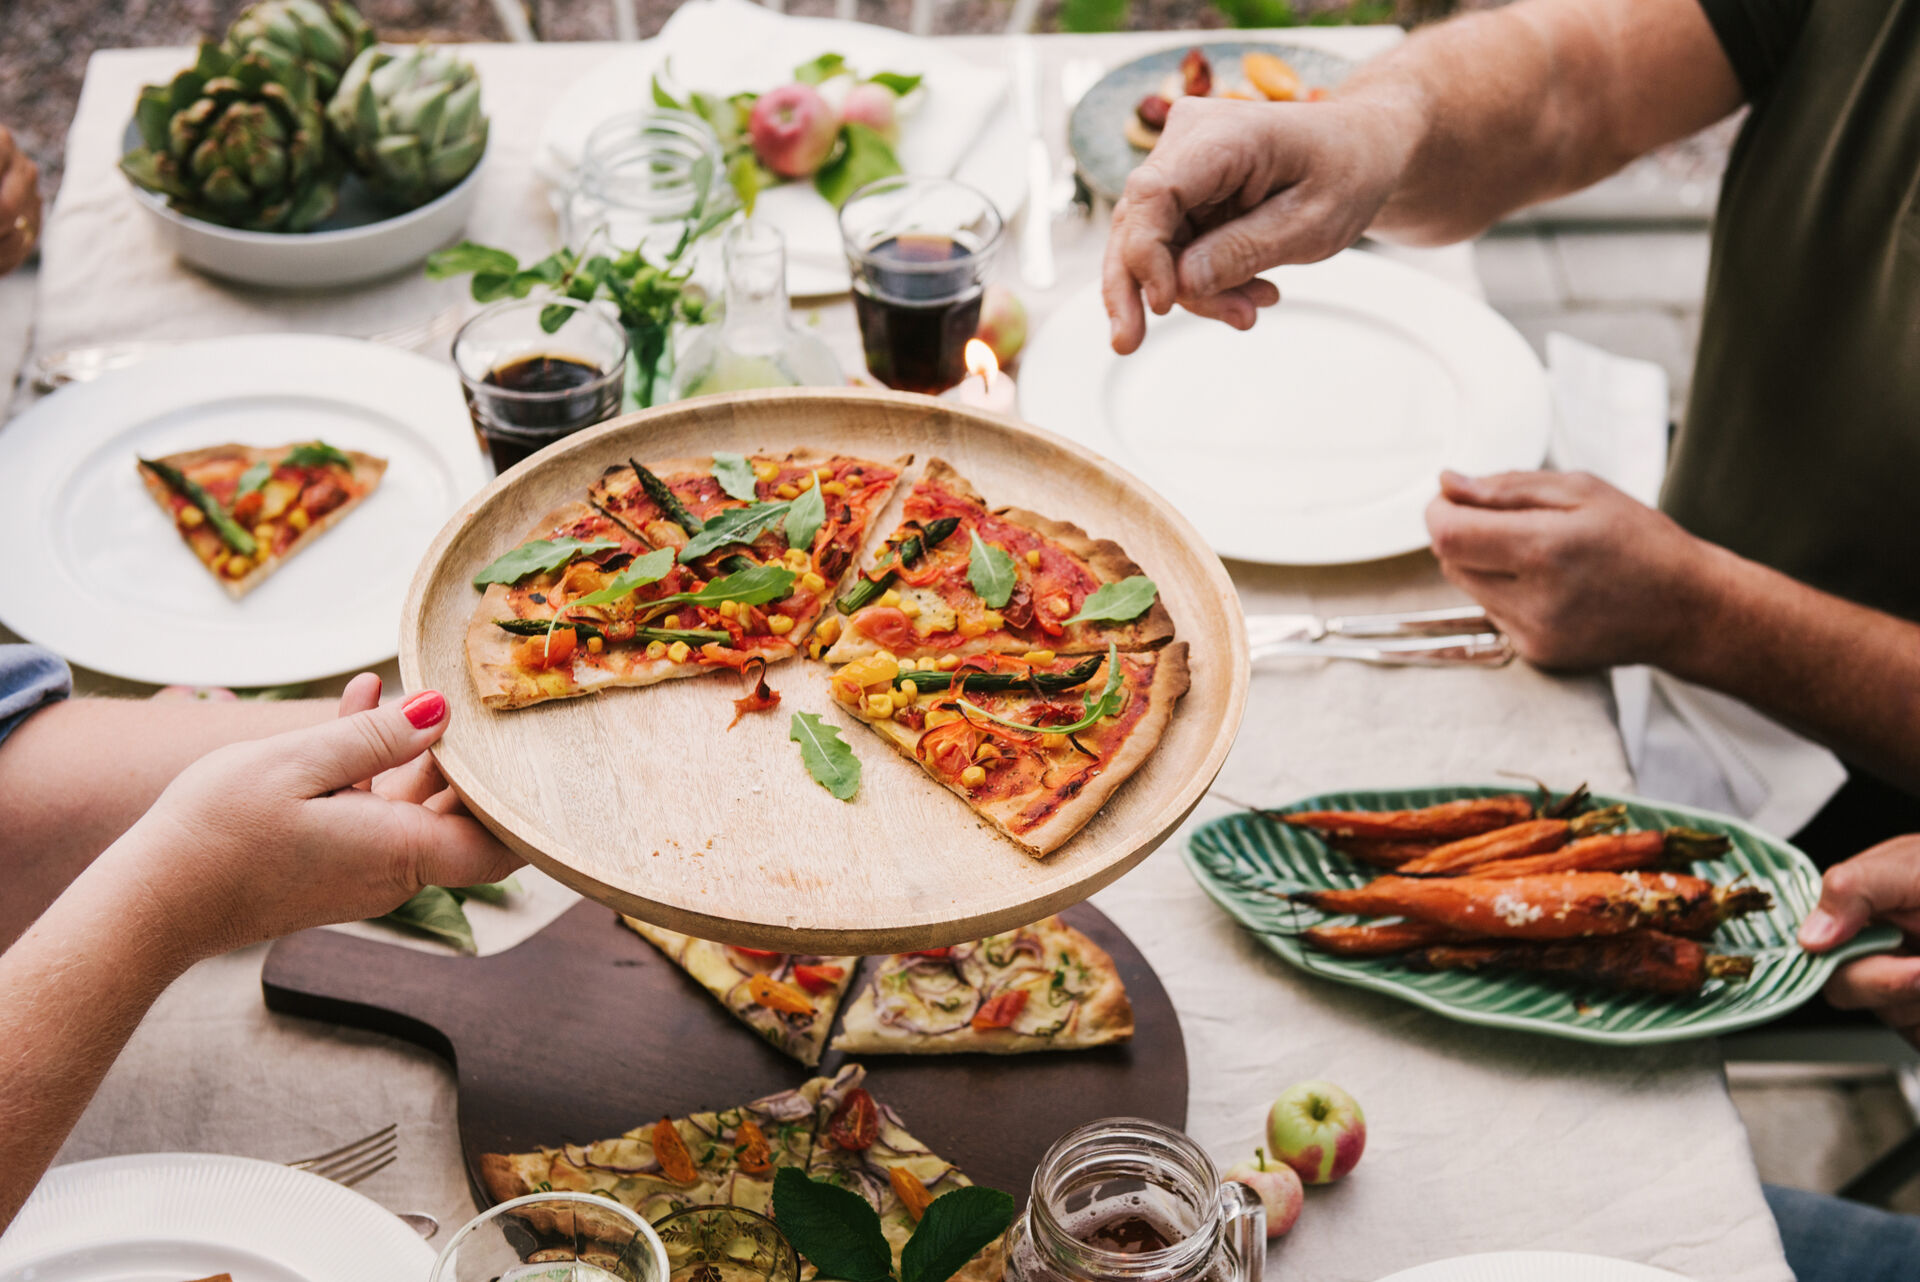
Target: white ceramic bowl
{"x": 359, "y": 242}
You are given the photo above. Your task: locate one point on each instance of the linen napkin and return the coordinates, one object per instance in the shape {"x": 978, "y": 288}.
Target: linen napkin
{"x": 1685, "y": 744}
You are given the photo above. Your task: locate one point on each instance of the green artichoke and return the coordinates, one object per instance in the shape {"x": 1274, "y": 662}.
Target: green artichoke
{"x": 285, "y": 32}
{"x": 411, "y": 123}
{"x": 231, "y": 142}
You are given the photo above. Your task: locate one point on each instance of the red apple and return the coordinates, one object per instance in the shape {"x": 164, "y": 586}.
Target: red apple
{"x": 1318, "y": 1130}
{"x": 1003, "y": 324}
{"x": 793, "y": 130}
{"x": 1279, "y": 1188}
{"x": 874, "y": 105}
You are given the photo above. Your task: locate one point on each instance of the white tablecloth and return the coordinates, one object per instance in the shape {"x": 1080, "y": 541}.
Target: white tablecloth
{"x": 1477, "y": 1140}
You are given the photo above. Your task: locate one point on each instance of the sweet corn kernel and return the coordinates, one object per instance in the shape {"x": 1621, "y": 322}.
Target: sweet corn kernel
{"x": 218, "y": 563}
{"x": 887, "y": 656}
{"x": 730, "y": 609}
{"x": 1033, "y": 557}
{"x": 880, "y": 705}
{"x": 1053, "y": 742}
{"x": 823, "y": 473}
{"x": 948, "y": 662}
{"x": 671, "y": 622}
{"x": 986, "y": 752}
{"x": 908, "y": 665}
{"x": 263, "y": 533}
{"x": 787, "y": 491}
{"x": 829, "y": 630}
{"x": 815, "y": 649}
{"x": 835, "y": 488}
{"x": 805, "y": 482}
{"x": 991, "y": 620}
{"x": 813, "y": 582}
{"x": 1060, "y": 606}
{"x": 191, "y": 516}
{"x": 890, "y": 597}
{"x": 908, "y": 691}
{"x": 779, "y": 624}
{"x": 797, "y": 559}
{"x": 1038, "y": 656}
{"x": 910, "y": 608}
{"x": 656, "y": 649}
{"x": 941, "y": 716}
{"x": 237, "y": 566}
{"x": 298, "y": 518}
{"x": 973, "y": 776}
{"x": 679, "y": 651}
{"x": 764, "y": 471}
{"x": 595, "y": 645}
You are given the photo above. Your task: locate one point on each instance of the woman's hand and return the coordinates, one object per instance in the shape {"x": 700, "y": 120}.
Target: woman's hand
{"x": 19, "y": 203}
{"x": 1880, "y": 884}
{"x": 328, "y": 824}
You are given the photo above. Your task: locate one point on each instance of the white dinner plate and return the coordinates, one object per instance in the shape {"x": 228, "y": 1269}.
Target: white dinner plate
{"x": 95, "y": 571}
{"x": 1317, "y": 437}
{"x": 1533, "y": 1266}
{"x": 162, "y": 1217}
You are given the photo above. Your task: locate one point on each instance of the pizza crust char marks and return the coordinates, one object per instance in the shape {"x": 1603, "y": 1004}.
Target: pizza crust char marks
{"x": 296, "y": 503}
{"x": 1044, "y": 987}
{"x": 1056, "y": 565}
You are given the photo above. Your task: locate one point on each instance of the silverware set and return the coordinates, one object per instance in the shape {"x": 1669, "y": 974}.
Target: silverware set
{"x": 1459, "y": 636}
{"x": 351, "y": 1163}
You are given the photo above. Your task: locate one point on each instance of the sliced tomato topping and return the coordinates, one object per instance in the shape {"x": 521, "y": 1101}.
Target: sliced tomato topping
{"x": 1000, "y": 1010}
{"x": 949, "y": 749}
{"x": 911, "y": 1190}
{"x": 775, "y": 995}
{"x": 751, "y": 1153}
{"x": 246, "y": 509}
{"x": 856, "y": 1123}
{"x": 671, "y": 1152}
{"x": 931, "y": 952}
{"x": 764, "y": 954}
{"x": 762, "y": 698}
{"x": 818, "y": 979}
{"x": 550, "y": 650}
{"x": 885, "y": 624}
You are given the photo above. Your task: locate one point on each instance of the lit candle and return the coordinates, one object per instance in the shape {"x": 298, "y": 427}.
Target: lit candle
{"x": 985, "y": 387}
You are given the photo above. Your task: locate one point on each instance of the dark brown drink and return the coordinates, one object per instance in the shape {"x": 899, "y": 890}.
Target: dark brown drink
{"x": 1129, "y": 1234}
{"x": 547, "y": 397}
{"x": 915, "y": 313}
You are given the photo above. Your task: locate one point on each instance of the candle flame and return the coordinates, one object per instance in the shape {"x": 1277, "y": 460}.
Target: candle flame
{"x": 981, "y": 361}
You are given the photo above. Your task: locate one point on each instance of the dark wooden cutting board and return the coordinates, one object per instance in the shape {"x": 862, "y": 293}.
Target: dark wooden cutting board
{"x": 584, "y": 1031}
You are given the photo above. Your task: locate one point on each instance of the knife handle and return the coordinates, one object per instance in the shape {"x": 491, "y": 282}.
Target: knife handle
{"x": 1470, "y": 649}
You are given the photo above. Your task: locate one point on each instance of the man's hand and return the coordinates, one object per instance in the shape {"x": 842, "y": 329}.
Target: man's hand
{"x": 1576, "y": 573}
{"x": 337, "y": 822}
{"x": 1234, "y": 188}
{"x": 1881, "y": 884}
{"x": 19, "y": 203}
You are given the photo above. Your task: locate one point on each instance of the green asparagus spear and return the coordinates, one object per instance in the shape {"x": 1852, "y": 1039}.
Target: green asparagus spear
{"x": 224, "y": 525}
{"x": 908, "y": 552}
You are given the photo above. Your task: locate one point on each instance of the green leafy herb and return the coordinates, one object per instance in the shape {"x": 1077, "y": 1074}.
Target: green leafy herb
{"x": 435, "y": 911}
{"x": 222, "y": 522}
{"x": 821, "y": 69}
{"x": 734, "y": 525}
{"x": 661, "y": 98}
{"x": 1107, "y": 703}
{"x": 736, "y": 477}
{"x": 834, "y": 767}
{"x": 642, "y": 571}
{"x": 902, "y": 85}
{"x": 1118, "y": 602}
{"x": 864, "y": 157}
{"x": 536, "y": 557}
{"x": 744, "y": 174}
{"x": 316, "y": 454}
{"x": 990, "y": 571}
{"x": 755, "y": 586}
{"x": 957, "y": 1226}
{"x": 487, "y": 892}
{"x": 804, "y": 518}
{"x": 254, "y": 478}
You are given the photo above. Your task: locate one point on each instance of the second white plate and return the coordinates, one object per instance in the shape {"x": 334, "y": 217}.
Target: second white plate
{"x": 1317, "y": 437}
{"x": 1534, "y": 1266}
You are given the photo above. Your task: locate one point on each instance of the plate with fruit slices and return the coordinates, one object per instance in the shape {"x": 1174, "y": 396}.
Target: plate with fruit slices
{"x": 1116, "y": 123}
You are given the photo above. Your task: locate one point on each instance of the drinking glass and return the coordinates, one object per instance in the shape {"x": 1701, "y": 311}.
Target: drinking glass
{"x": 554, "y": 1237}
{"x": 528, "y": 384}
{"x": 644, "y": 177}
{"x": 727, "y": 1244}
{"x": 919, "y": 250}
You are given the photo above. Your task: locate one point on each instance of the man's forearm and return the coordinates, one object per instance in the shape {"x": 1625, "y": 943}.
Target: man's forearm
{"x": 1518, "y": 105}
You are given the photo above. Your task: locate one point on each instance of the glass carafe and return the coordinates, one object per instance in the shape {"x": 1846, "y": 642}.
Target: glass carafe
{"x": 1128, "y": 1200}
{"x": 756, "y": 344}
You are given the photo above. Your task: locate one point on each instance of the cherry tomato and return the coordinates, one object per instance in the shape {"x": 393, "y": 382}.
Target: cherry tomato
{"x": 911, "y": 1190}
{"x": 949, "y": 748}
{"x": 246, "y": 508}
{"x": 549, "y": 650}
{"x": 932, "y": 952}
{"x": 750, "y": 1148}
{"x": 775, "y": 995}
{"x": 856, "y": 1123}
{"x": 1000, "y": 1010}
{"x": 818, "y": 979}
{"x": 671, "y": 1152}
{"x": 763, "y": 954}
{"x": 885, "y": 624}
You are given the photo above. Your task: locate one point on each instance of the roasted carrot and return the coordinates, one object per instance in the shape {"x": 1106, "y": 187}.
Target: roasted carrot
{"x": 1377, "y": 852}
{"x": 1569, "y": 905}
{"x": 1614, "y": 852}
{"x": 1532, "y": 838}
{"x": 1641, "y": 961}
{"x": 1379, "y": 939}
{"x": 1443, "y": 822}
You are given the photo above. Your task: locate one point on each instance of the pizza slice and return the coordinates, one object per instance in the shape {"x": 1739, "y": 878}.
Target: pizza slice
{"x": 790, "y": 1000}
{"x": 1043, "y": 987}
{"x": 958, "y": 578}
{"x": 862, "y": 1145}
{"x": 1035, "y": 745}
{"x": 724, "y": 1158}
{"x": 245, "y": 509}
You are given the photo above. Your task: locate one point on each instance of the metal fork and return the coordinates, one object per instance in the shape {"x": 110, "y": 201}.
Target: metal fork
{"x": 351, "y": 1163}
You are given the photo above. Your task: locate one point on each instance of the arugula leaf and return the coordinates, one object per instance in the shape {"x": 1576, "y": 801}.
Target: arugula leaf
{"x": 761, "y": 584}
{"x": 864, "y": 157}
{"x": 990, "y": 571}
{"x": 902, "y": 85}
{"x": 316, "y": 454}
{"x": 735, "y": 475}
{"x": 642, "y": 571}
{"x": 435, "y": 911}
{"x": 735, "y": 525}
{"x": 458, "y": 260}
{"x": 805, "y": 517}
{"x": 834, "y": 1228}
{"x": 834, "y": 767}
{"x": 537, "y": 556}
{"x": 954, "y": 1229}
{"x": 821, "y": 69}
{"x": 1107, "y": 703}
{"x": 1118, "y": 602}
{"x": 254, "y": 478}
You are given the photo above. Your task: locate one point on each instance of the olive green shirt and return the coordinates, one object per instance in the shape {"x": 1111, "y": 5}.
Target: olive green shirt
{"x": 1801, "y": 445}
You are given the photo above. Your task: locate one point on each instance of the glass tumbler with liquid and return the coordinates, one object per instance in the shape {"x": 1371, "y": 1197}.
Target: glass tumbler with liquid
{"x": 554, "y": 1237}
{"x": 727, "y": 1244}
{"x": 1128, "y": 1200}
{"x": 919, "y": 250}
{"x": 529, "y": 383}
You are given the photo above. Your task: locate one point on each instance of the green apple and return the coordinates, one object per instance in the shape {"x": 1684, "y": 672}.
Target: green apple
{"x": 1318, "y": 1130}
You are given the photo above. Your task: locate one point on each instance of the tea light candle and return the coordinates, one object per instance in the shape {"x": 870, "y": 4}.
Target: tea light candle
{"x": 985, "y": 387}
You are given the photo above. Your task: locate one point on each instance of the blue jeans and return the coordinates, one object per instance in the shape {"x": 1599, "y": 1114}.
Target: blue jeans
{"x": 1829, "y": 1239}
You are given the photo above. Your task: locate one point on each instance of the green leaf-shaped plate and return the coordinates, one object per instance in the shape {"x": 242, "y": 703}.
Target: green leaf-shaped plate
{"x": 1241, "y": 858}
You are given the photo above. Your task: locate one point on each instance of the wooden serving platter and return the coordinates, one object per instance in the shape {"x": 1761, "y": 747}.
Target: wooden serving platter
{"x": 643, "y": 799}
{"x": 585, "y": 1031}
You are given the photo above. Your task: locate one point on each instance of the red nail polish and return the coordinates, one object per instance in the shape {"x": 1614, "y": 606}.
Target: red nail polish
{"x": 425, "y": 709}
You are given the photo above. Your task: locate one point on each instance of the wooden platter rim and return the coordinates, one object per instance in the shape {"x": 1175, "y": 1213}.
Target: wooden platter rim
{"x": 928, "y": 926}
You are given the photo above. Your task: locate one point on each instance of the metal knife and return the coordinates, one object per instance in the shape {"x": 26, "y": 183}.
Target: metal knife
{"x": 1427, "y": 638}
{"x": 1036, "y": 224}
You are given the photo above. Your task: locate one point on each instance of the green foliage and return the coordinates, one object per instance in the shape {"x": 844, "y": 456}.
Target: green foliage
{"x": 837, "y": 1231}
{"x": 830, "y": 760}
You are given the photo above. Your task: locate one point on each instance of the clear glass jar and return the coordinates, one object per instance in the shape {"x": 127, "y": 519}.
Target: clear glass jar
{"x": 1128, "y": 1200}
{"x": 756, "y": 344}
{"x": 643, "y": 176}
